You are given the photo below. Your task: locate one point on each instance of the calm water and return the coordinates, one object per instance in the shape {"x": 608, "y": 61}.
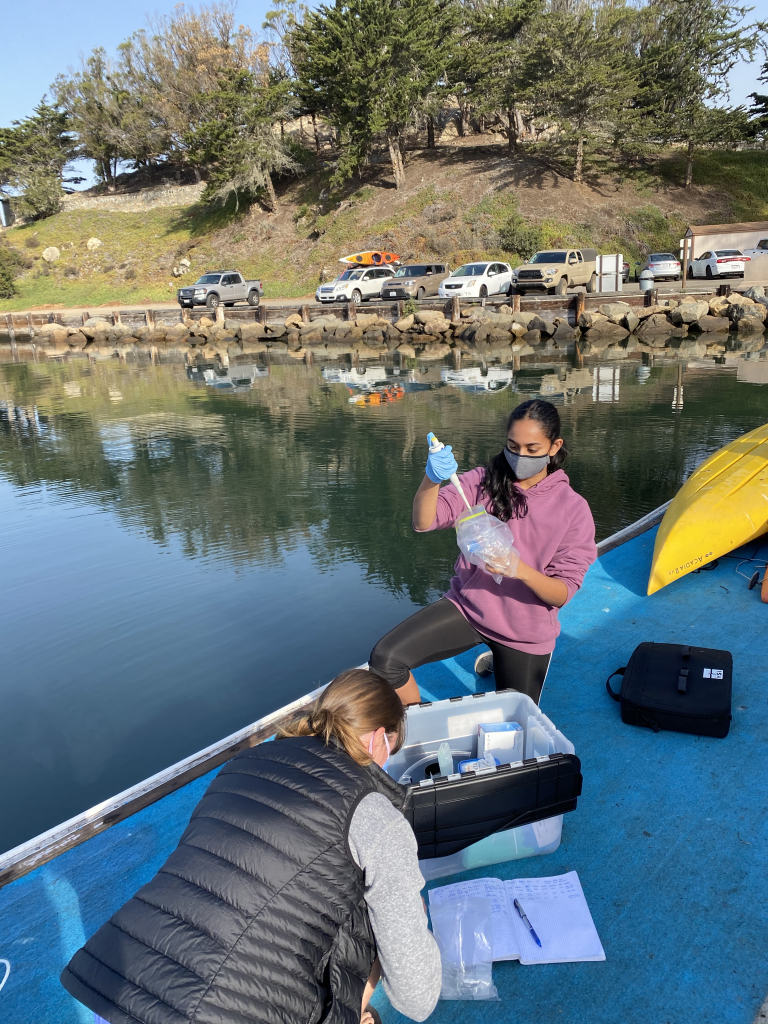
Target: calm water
{"x": 179, "y": 558}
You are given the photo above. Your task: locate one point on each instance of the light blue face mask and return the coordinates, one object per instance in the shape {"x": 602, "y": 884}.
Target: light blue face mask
{"x": 526, "y": 466}
{"x": 370, "y": 750}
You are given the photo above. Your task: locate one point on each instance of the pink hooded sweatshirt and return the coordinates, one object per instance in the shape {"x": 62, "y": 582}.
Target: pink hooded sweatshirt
{"x": 556, "y": 537}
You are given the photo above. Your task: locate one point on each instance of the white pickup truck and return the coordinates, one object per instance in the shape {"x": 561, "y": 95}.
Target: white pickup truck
{"x": 220, "y": 287}
{"x": 761, "y": 250}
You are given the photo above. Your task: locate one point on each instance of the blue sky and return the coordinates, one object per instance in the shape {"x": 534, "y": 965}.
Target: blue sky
{"x": 41, "y": 38}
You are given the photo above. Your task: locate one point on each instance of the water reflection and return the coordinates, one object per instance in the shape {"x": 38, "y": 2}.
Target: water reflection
{"x": 188, "y": 548}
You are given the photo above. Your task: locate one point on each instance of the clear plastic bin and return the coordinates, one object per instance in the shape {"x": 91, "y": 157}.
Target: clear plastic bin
{"x": 456, "y": 721}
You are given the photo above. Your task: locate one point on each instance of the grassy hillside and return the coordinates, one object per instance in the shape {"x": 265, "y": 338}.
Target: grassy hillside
{"x": 456, "y": 205}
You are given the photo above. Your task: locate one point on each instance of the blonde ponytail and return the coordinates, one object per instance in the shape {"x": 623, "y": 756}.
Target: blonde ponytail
{"x": 354, "y": 703}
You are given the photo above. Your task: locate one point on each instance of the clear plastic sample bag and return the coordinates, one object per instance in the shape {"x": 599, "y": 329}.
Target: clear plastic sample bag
{"x": 462, "y": 928}
{"x": 485, "y": 539}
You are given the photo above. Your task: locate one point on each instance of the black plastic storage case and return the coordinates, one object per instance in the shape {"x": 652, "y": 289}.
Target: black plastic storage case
{"x": 454, "y": 813}
{"x": 676, "y": 687}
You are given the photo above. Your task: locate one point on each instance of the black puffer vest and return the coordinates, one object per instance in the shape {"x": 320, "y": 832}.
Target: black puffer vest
{"x": 259, "y": 914}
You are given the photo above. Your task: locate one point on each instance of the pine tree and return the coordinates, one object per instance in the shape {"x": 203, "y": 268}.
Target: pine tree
{"x": 690, "y": 48}
{"x": 758, "y": 112}
{"x": 34, "y": 154}
{"x": 370, "y": 66}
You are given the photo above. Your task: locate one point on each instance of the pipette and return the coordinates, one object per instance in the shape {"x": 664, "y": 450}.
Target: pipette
{"x": 437, "y": 446}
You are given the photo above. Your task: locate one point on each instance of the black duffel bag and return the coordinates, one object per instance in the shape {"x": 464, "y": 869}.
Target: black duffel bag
{"x": 675, "y": 687}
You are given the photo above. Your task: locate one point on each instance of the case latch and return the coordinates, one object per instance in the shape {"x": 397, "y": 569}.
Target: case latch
{"x": 682, "y": 680}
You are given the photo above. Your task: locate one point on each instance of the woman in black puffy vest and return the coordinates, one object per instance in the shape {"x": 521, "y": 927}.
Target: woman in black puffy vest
{"x": 294, "y": 887}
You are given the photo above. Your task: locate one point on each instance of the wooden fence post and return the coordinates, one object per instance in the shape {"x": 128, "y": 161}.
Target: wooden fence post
{"x": 305, "y": 317}
{"x": 580, "y": 302}
{"x": 455, "y": 311}
{"x": 219, "y": 314}
{"x": 262, "y": 314}
{"x": 516, "y": 302}
{"x": 351, "y": 310}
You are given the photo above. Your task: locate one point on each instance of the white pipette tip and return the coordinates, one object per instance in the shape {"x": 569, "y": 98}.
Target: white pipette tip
{"x": 437, "y": 446}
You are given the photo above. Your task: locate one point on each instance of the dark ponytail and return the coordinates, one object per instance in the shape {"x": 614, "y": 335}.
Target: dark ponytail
{"x": 499, "y": 484}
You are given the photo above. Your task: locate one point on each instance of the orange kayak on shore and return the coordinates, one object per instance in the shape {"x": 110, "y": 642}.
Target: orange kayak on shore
{"x": 370, "y": 259}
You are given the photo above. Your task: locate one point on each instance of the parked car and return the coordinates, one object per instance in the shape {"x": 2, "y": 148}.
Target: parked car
{"x": 477, "y": 281}
{"x": 662, "y": 265}
{"x": 760, "y": 250}
{"x": 415, "y": 281}
{"x": 556, "y": 270}
{"x": 220, "y": 287}
{"x": 718, "y": 263}
{"x": 357, "y": 284}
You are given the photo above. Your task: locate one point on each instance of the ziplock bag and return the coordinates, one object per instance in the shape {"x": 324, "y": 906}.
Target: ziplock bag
{"x": 484, "y": 538}
{"x": 462, "y": 928}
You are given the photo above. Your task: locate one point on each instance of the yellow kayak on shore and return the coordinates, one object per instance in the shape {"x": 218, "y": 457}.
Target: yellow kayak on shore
{"x": 722, "y": 505}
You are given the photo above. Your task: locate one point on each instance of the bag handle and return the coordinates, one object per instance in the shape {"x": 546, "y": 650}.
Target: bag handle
{"x": 618, "y": 672}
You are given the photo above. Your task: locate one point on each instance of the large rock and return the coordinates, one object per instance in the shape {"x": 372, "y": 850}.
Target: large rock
{"x": 77, "y": 340}
{"x": 718, "y": 306}
{"x": 608, "y": 331}
{"x": 366, "y": 320}
{"x": 51, "y": 254}
{"x": 250, "y": 332}
{"x": 294, "y": 320}
{"x": 658, "y": 323}
{"x": 93, "y": 244}
{"x": 523, "y": 318}
{"x": 688, "y": 312}
{"x": 275, "y": 331}
{"x": 564, "y": 333}
{"x": 437, "y": 327}
{"x": 615, "y": 310}
{"x": 630, "y": 321}
{"x": 710, "y": 324}
{"x": 749, "y": 324}
{"x": 427, "y": 315}
{"x": 51, "y": 334}
{"x": 589, "y": 319}
{"x": 405, "y": 324}
{"x": 544, "y": 327}
{"x": 311, "y": 335}
{"x": 96, "y": 325}
{"x": 738, "y": 311}
{"x": 643, "y": 312}
{"x": 756, "y": 292}
{"x": 532, "y": 337}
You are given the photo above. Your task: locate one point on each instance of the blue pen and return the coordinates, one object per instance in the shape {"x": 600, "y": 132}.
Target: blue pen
{"x": 527, "y": 923}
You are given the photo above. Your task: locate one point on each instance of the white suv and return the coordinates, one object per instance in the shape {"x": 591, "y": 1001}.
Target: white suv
{"x": 356, "y": 285}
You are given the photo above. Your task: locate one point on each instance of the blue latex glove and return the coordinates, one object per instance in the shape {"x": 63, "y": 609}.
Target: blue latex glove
{"x": 440, "y": 465}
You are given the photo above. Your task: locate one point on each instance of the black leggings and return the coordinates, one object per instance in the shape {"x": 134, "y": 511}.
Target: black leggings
{"x": 441, "y": 631}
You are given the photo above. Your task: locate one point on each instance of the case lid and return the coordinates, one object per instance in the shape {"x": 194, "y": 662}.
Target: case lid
{"x": 449, "y": 814}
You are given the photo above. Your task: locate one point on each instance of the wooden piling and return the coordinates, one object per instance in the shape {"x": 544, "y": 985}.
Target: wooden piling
{"x": 305, "y": 317}
{"x": 455, "y": 309}
{"x": 261, "y": 314}
{"x": 219, "y": 314}
{"x": 580, "y": 304}
{"x": 86, "y": 317}
{"x": 351, "y": 310}
{"x": 116, "y": 316}
{"x": 30, "y": 328}
{"x": 400, "y": 308}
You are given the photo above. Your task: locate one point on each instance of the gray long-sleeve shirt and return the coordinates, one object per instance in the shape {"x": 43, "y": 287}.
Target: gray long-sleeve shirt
{"x": 384, "y": 846}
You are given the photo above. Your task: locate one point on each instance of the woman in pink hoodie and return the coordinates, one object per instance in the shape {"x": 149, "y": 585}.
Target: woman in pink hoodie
{"x": 554, "y": 534}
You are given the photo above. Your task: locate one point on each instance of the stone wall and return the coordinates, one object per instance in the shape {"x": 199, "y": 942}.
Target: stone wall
{"x": 136, "y": 202}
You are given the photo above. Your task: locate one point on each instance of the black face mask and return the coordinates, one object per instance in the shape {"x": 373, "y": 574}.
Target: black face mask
{"x": 526, "y": 466}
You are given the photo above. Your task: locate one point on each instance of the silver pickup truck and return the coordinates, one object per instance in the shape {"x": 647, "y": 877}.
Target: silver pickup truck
{"x": 220, "y": 287}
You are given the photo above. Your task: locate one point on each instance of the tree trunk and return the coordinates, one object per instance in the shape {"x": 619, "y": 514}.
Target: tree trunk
{"x": 430, "y": 133}
{"x": 271, "y": 194}
{"x": 689, "y": 165}
{"x": 460, "y": 125}
{"x": 465, "y": 125}
{"x": 314, "y": 129}
{"x": 198, "y": 175}
{"x": 282, "y": 131}
{"x": 397, "y": 160}
{"x": 522, "y": 129}
{"x": 512, "y": 133}
{"x": 579, "y": 160}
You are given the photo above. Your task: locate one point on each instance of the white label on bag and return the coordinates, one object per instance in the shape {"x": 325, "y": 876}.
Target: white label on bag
{"x": 713, "y": 673}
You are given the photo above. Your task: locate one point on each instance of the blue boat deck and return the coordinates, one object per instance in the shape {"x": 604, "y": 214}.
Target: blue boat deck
{"x": 670, "y": 838}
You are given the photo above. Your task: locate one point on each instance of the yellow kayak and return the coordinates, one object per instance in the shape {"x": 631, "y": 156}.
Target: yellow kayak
{"x": 722, "y": 505}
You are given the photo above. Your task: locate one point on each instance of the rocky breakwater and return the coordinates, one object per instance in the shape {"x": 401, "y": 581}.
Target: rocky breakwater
{"x": 695, "y": 326}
